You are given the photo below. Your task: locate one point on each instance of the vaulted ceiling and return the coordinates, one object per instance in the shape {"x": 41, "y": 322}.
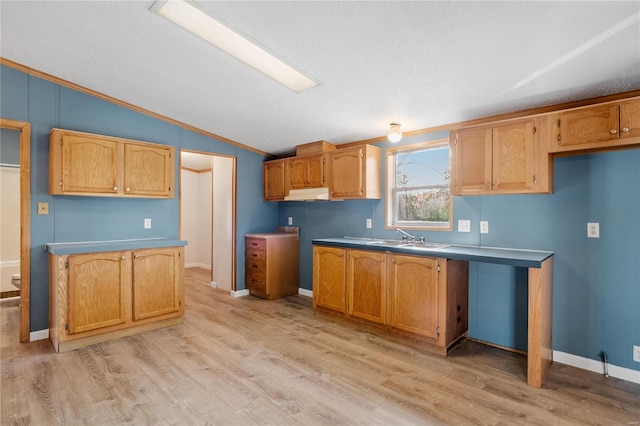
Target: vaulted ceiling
{"x": 422, "y": 64}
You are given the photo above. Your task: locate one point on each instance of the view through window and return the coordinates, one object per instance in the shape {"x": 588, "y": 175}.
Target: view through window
{"x": 418, "y": 185}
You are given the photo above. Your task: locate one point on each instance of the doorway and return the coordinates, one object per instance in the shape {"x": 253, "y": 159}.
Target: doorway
{"x": 207, "y": 214}
{"x": 24, "y": 130}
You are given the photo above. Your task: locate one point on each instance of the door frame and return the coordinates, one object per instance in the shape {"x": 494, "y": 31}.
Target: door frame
{"x": 25, "y": 222}
{"x": 234, "y": 207}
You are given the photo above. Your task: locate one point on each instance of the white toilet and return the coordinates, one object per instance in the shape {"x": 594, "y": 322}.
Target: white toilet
{"x": 15, "y": 279}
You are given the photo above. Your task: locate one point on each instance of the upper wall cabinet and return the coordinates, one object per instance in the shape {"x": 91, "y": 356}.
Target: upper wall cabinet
{"x": 356, "y": 172}
{"x": 596, "y": 127}
{"x": 87, "y": 164}
{"x": 307, "y": 171}
{"x": 506, "y": 158}
{"x": 275, "y": 179}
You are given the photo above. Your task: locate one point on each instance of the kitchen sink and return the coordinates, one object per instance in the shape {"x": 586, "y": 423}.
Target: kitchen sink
{"x": 407, "y": 244}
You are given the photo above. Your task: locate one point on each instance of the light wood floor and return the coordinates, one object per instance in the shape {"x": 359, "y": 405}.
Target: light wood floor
{"x": 249, "y": 361}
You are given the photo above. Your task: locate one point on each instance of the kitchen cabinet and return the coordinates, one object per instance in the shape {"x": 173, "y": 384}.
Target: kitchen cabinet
{"x": 100, "y": 296}
{"x": 275, "y": 180}
{"x": 307, "y": 171}
{"x": 95, "y": 165}
{"x": 597, "y": 127}
{"x": 157, "y": 282}
{"x": 423, "y": 296}
{"x": 272, "y": 267}
{"x": 329, "y": 278}
{"x": 356, "y": 173}
{"x": 429, "y": 297}
{"x": 366, "y": 285}
{"x": 504, "y": 158}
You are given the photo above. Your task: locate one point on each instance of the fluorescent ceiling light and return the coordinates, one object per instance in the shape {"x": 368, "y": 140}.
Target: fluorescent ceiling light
{"x": 196, "y": 19}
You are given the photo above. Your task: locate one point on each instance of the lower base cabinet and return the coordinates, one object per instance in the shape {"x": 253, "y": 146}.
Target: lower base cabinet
{"x": 96, "y": 297}
{"x": 423, "y": 296}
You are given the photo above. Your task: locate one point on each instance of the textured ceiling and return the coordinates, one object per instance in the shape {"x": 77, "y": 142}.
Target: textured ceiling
{"x": 422, "y": 64}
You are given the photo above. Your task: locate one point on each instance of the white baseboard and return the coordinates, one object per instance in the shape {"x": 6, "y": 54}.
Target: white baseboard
{"x": 239, "y": 293}
{"x": 596, "y": 366}
{"x": 39, "y": 335}
{"x": 197, "y": 265}
{"x": 305, "y": 292}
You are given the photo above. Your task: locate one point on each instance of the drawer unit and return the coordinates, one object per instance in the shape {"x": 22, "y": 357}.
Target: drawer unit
{"x": 272, "y": 264}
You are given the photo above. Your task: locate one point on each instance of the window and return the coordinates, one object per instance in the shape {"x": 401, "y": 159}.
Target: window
{"x": 418, "y": 186}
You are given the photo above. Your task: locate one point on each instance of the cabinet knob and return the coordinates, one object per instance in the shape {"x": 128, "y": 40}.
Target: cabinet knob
{"x": 123, "y": 257}
{"x": 613, "y": 131}
{"x": 128, "y": 189}
{"x": 115, "y": 188}
{"x": 625, "y": 129}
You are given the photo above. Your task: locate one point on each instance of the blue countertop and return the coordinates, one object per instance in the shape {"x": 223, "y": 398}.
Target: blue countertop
{"x": 505, "y": 256}
{"x": 115, "y": 245}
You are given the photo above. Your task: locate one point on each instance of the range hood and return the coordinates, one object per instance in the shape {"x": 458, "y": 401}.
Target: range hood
{"x": 308, "y": 194}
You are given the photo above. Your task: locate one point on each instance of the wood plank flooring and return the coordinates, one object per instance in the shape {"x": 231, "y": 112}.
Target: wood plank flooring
{"x": 251, "y": 361}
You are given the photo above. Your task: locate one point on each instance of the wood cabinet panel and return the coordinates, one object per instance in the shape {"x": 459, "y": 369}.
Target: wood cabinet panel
{"x": 97, "y": 286}
{"x": 366, "y": 284}
{"x": 595, "y": 124}
{"x": 275, "y": 186}
{"x": 356, "y": 173}
{"x": 87, "y": 164}
{"x": 329, "y": 278}
{"x": 307, "y": 171}
{"x": 630, "y": 119}
{"x": 414, "y": 294}
{"x": 513, "y": 157}
{"x": 473, "y": 160}
{"x": 148, "y": 170}
{"x": 157, "y": 283}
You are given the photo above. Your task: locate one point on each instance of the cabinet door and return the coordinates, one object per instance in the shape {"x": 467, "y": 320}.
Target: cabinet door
{"x": 329, "y": 278}
{"x": 274, "y": 180}
{"x": 366, "y": 284}
{"x": 630, "y": 119}
{"x": 89, "y": 165}
{"x": 589, "y": 125}
{"x": 347, "y": 173}
{"x": 148, "y": 170}
{"x": 315, "y": 171}
{"x": 298, "y": 172}
{"x": 157, "y": 282}
{"x": 512, "y": 152}
{"x": 413, "y": 293}
{"x": 306, "y": 172}
{"x": 97, "y": 290}
{"x": 473, "y": 161}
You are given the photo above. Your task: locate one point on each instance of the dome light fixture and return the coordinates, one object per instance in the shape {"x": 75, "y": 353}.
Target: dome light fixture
{"x": 395, "y": 132}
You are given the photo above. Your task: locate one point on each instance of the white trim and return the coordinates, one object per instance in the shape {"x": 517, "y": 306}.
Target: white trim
{"x": 214, "y": 284}
{"x": 596, "y": 366}
{"x": 239, "y": 293}
{"x": 39, "y": 335}
{"x": 7, "y": 263}
{"x": 305, "y": 292}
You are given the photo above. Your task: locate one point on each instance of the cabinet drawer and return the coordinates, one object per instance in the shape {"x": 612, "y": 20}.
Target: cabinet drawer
{"x": 255, "y": 254}
{"x": 255, "y": 265}
{"x": 255, "y": 244}
{"x": 256, "y": 281}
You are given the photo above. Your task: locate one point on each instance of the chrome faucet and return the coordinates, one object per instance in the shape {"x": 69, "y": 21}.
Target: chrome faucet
{"x": 405, "y": 235}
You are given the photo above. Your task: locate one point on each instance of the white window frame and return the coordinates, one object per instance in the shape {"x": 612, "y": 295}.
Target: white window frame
{"x": 392, "y": 192}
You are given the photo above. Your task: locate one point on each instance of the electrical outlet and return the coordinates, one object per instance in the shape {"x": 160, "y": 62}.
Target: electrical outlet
{"x": 147, "y": 223}
{"x": 484, "y": 227}
{"x": 464, "y": 226}
{"x": 369, "y": 223}
{"x": 43, "y": 208}
{"x": 593, "y": 230}
{"x": 290, "y": 220}
{"x": 636, "y": 353}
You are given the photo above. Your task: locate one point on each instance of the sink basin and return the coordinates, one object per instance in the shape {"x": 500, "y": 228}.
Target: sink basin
{"x": 416, "y": 245}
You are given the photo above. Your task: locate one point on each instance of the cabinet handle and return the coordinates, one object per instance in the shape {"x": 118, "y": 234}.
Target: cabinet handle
{"x": 115, "y": 188}
{"x": 254, "y": 255}
{"x": 625, "y": 129}
{"x": 128, "y": 189}
{"x": 613, "y": 131}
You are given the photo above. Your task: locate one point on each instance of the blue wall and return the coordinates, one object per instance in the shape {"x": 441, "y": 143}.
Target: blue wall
{"x": 596, "y": 291}
{"x": 46, "y": 105}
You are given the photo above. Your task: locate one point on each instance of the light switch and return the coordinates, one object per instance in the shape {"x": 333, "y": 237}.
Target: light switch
{"x": 43, "y": 208}
{"x": 147, "y": 223}
{"x": 464, "y": 226}
{"x": 484, "y": 226}
{"x": 290, "y": 220}
{"x": 369, "y": 223}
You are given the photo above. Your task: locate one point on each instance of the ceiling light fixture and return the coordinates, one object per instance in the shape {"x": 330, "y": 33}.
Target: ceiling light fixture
{"x": 196, "y": 19}
{"x": 395, "y": 132}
